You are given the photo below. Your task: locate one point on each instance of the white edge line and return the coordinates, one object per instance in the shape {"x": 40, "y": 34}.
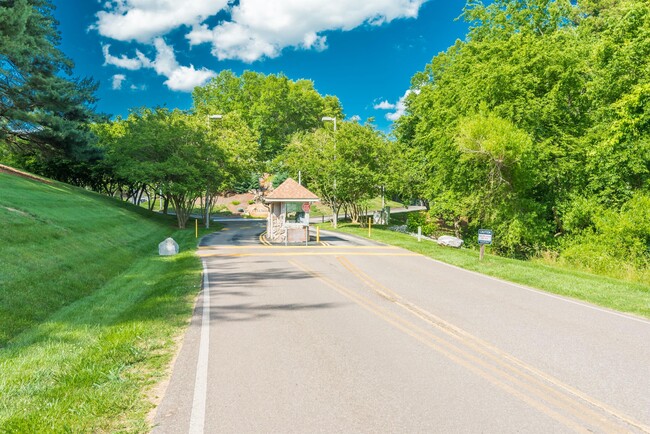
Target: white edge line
{"x": 542, "y": 292}
{"x": 197, "y": 418}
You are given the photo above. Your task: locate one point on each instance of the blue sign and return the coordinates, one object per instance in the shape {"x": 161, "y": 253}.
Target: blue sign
{"x": 485, "y": 236}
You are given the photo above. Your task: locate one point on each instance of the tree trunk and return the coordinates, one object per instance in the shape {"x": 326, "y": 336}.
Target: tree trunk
{"x": 335, "y": 214}
{"x": 165, "y": 204}
{"x": 209, "y": 200}
{"x": 183, "y": 206}
{"x": 152, "y": 202}
{"x": 355, "y": 212}
{"x": 139, "y": 193}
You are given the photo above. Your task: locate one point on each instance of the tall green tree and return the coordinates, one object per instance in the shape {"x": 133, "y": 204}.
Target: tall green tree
{"x": 536, "y": 119}
{"x": 273, "y": 106}
{"x": 44, "y": 110}
{"x": 162, "y": 148}
{"x": 617, "y": 144}
{"x": 524, "y": 67}
{"x": 182, "y": 154}
{"x": 238, "y": 159}
{"x": 343, "y": 167}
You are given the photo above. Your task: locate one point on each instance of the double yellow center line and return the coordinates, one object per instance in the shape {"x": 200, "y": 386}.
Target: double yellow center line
{"x": 323, "y": 250}
{"x": 565, "y": 404}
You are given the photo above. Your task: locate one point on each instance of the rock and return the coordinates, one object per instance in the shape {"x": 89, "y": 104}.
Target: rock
{"x": 168, "y": 247}
{"x": 403, "y": 229}
{"x": 448, "y": 240}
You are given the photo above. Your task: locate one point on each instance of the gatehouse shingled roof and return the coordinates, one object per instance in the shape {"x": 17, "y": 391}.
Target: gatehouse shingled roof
{"x": 291, "y": 191}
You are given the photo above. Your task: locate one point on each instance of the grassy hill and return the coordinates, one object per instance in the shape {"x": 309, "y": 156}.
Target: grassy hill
{"x": 88, "y": 310}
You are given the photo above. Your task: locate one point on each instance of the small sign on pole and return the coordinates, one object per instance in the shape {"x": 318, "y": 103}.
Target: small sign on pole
{"x": 484, "y": 238}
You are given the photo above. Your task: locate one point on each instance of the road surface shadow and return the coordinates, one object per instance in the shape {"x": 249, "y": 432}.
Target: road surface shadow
{"x": 247, "y": 279}
{"x": 253, "y": 312}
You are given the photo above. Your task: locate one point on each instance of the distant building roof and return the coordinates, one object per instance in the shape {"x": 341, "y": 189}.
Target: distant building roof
{"x": 291, "y": 191}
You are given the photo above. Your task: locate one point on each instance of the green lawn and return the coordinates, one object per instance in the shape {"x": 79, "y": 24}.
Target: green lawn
{"x": 89, "y": 312}
{"x": 616, "y": 294}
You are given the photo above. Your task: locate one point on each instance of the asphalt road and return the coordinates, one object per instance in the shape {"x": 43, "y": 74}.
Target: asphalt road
{"x": 368, "y": 338}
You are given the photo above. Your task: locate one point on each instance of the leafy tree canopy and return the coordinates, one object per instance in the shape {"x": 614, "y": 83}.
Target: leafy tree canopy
{"x": 545, "y": 104}
{"x": 273, "y": 106}
{"x": 344, "y": 167}
{"x": 179, "y": 153}
{"x": 43, "y": 109}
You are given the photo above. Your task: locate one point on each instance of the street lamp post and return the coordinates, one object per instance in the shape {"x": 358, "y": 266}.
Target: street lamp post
{"x": 336, "y": 210}
{"x": 210, "y": 117}
{"x": 207, "y": 189}
{"x": 329, "y": 119}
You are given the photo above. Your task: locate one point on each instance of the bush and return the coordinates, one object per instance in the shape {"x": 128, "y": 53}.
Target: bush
{"x": 235, "y": 202}
{"x": 250, "y": 202}
{"x": 252, "y": 182}
{"x": 279, "y": 178}
{"x": 614, "y": 243}
{"x": 422, "y": 219}
{"x": 221, "y": 209}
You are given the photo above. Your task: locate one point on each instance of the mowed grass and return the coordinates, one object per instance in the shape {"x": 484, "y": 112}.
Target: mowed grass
{"x": 89, "y": 313}
{"x": 616, "y": 294}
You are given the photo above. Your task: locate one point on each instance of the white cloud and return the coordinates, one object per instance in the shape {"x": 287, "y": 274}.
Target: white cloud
{"x": 123, "y": 61}
{"x": 399, "y": 107}
{"x": 255, "y": 29}
{"x": 117, "y": 81}
{"x": 262, "y": 28}
{"x": 187, "y": 78}
{"x": 181, "y": 78}
{"x": 355, "y": 118}
{"x": 384, "y": 105}
{"x": 144, "y": 20}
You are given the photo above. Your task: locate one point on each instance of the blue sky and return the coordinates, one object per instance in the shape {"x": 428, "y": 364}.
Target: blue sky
{"x": 152, "y": 52}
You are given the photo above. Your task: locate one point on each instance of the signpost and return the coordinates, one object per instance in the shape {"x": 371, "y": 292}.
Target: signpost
{"x": 484, "y": 237}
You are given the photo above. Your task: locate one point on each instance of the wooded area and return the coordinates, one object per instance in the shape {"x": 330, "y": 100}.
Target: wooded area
{"x": 536, "y": 126}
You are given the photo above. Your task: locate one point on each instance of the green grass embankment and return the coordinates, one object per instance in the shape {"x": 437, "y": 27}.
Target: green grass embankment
{"x": 621, "y": 295}
{"x": 89, "y": 312}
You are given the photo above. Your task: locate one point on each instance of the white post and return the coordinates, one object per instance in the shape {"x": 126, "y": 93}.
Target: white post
{"x": 207, "y": 208}
{"x": 419, "y": 233}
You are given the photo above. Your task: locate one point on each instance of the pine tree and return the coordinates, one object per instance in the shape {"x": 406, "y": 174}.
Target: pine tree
{"x": 44, "y": 110}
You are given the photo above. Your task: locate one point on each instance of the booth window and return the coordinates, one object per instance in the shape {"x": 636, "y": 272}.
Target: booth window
{"x": 294, "y": 213}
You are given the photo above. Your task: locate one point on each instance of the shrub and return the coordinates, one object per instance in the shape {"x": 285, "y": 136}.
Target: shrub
{"x": 279, "y": 178}
{"x": 614, "y": 243}
{"x": 252, "y": 182}
{"x": 423, "y": 219}
{"x": 235, "y": 202}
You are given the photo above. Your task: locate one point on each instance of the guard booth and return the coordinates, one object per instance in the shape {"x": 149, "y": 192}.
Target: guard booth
{"x": 289, "y": 206}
